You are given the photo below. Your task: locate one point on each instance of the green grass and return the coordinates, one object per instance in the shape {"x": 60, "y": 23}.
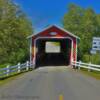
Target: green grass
{"x": 13, "y": 76}
{"x": 10, "y": 74}
{"x": 10, "y": 78}
{"x": 4, "y": 65}
{"x": 95, "y": 74}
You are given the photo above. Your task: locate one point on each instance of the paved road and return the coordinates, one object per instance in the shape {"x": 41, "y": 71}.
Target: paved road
{"x": 51, "y": 84}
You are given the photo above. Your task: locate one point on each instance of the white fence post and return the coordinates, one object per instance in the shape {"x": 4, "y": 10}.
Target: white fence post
{"x": 19, "y": 69}
{"x": 89, "y": 67}
{"x": 27, "y": 65}
{"x": 75, "y": 64}
{"x": 79, "y": 65}
{"x": 8, "y": 70}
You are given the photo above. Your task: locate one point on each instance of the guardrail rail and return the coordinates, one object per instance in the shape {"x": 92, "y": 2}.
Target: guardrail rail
{"x": 9, "y": 70}
{"x": 88, "y": 66}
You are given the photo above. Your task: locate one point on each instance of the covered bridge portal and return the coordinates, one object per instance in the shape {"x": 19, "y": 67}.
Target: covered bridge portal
{"x": 53, "y": 46}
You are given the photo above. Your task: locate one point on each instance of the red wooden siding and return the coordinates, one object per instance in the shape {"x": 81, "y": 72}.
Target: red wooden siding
{"x": 60, "y": 34}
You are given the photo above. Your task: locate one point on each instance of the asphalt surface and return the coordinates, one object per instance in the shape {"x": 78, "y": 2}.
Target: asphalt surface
{"x": 51, "y": 83}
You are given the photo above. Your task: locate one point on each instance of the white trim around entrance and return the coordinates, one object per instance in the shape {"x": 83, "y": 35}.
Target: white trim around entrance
{"x": 35, "y": 49}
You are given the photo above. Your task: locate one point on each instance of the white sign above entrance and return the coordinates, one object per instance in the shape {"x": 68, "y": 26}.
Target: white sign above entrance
{"x": 53, "y": 33}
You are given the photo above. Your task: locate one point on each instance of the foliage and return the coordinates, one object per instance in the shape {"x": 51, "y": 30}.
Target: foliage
{"x": 4, "y": 65}
{"x": 94, "y": 59}
{"x": 14, "y": 28}
{"x": 84, "y": 23}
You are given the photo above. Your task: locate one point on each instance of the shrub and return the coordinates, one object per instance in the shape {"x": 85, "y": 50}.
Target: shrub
{"x": 94, "y": 59}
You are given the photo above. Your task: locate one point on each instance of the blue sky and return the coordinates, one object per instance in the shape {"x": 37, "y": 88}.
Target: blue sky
{"x": 47, "y": 12}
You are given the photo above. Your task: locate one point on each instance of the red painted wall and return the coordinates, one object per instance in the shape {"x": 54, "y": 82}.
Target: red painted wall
{"x": 60, "y": 33}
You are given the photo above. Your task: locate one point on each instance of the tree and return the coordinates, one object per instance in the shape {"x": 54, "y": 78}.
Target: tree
{"x": 14, "y": 28}
{"x": 98, "y": 26}
{"x": 83, "y": 23}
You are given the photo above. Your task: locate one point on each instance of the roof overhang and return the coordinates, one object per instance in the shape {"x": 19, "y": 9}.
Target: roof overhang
{"x": 51, "y": 27}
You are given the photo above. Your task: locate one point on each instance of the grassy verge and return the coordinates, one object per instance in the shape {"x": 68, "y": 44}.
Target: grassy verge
{"x": 95, "y": 74}
{"x": 10, "y": 78}
{"x": 5, "y": 80}
{"x": 4, "y": 65}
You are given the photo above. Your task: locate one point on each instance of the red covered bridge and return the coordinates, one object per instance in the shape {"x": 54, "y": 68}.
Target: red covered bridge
{"x": 53, "y": 46}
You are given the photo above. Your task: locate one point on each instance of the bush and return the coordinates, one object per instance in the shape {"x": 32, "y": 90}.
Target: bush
{"x": 94, "y": 59}
{"x": 4, "y": 65}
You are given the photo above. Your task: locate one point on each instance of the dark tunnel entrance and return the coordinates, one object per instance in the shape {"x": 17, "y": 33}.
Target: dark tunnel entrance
{"x": 53, "y": 52}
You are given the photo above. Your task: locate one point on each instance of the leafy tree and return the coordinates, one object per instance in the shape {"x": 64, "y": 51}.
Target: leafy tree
{"x": 98, "y": 26}
{"x": 14, "y": 28}
{"x": 84, "y": 23}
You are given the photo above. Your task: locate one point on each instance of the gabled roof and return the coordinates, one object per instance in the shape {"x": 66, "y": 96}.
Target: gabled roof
{"x": 56, "y": 27}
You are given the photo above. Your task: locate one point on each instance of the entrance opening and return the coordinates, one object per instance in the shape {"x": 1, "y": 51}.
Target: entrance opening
{"x": 53, "y": 52}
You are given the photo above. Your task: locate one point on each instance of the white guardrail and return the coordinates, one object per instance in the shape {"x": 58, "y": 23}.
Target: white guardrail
{"x": 88, "y": 66}
{"x": 9, "y": 70}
